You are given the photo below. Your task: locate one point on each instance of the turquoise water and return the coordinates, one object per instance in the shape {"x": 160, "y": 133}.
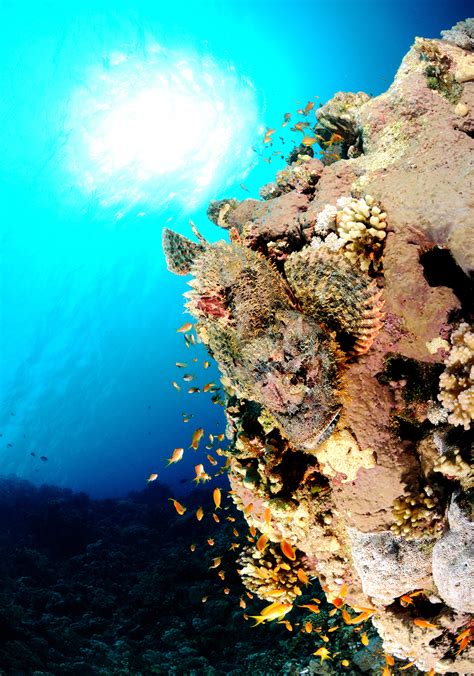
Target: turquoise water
{"x": 115, "y": 121}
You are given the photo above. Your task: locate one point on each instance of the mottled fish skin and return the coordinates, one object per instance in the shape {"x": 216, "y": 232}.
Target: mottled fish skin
{"x": 269, "y": 350}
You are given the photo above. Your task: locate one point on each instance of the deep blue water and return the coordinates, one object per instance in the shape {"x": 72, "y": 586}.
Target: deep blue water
{"x": 115, "y": 119}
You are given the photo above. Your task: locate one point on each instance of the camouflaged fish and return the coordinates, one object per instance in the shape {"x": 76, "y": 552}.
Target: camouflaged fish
{"x": 275, "y": 338}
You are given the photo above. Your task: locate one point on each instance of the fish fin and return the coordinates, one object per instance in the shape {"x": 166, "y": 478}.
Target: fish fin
{"x": 180, "y": 252}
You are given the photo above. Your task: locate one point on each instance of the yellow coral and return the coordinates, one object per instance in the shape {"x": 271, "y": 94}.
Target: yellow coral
{"x": 416, "y": 515}
{"x": 340, "y": 454}
{"x": 361, "y": 224}
{"x": 457, "y": 381}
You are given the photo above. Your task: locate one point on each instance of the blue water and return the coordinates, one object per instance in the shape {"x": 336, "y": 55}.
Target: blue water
{"x": 115, "y": 119}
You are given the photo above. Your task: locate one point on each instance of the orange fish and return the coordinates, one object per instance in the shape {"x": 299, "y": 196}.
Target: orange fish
{"x": 217, "y": 497}
{"x": 215, "y": 562}
{"x": 386, "y": 671}
{"x": 311, "y": 607}
{"x": 234, "y": 546}
{"x": 211, "y": 542}
{"x": 193, "y": 390}
{"x": 300, "y": 126}
{"x": 220, "y": 437}
{"x": 235, "y": 532}
{"x": 287, "y": 550}
{"x": 248, "y": 509}
{"x": 208, "y": 387}
{"x": 215, "y": 517}
{"x": 201, "y": 475}
{"x": 199, "y": 513}
{"x": 332, "y": 629}
{"x": 309, "y": 140}
{"x": 253, "y": 531}
{"x": 212, "y": 460}
{"x": 302, "y": 577}
{"x": 308, "y": 627}
{"x": 364, "y": 639}
{"x": 268, "y": 135}
{"x": 242, "y": 603}
{"x": 287, "y": 624}
{"x": 424, "y": 623}
{"x": 221, "y": 574}
{"x": 176, "y": 455}
{"x": 406, "y": 600}
{"x": 178, "y": 506}
{"x": 262, "y": 542}
{"x": 185, "y": 328}
{"x": 323, "y": 653}
{"x": 389, "y": 660}
{"x": 309, "y": 106}
{"x": 339, "y": 600}
{"x": 267, "y": 516}
{"x": 192, "y": 547}
{"x": 197, "y": 436}
{"x": 188, "y": 377}
{"x": 206, "y": 364}
{"x": 286, "y": 119}
{"x": 407, "y": 666}
{"x": 227, "y": 590}
{"x": 152, "y": 477}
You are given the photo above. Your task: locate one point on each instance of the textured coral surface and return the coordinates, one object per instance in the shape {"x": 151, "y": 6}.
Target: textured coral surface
{"x": 340, "y": 318}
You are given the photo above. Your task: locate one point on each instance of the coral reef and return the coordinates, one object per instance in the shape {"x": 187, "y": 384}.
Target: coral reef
{"x": 462, "y": 34}
{"x": 339, "y": 315}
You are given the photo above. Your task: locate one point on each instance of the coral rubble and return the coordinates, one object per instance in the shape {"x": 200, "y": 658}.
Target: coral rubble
{"x": 337, "y": 331}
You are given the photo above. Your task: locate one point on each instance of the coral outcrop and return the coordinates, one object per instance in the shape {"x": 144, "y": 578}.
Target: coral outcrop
{"x": 340, "y": 316}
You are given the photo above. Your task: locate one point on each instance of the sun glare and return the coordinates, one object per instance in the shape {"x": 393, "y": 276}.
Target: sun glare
{"x": 147, "y": 132}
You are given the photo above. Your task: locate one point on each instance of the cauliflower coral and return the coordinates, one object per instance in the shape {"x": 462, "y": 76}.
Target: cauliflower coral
{"x": 457, "y": 380}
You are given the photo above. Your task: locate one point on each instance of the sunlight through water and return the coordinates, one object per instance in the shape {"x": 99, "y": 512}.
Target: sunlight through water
{"x": 162, "y": 128}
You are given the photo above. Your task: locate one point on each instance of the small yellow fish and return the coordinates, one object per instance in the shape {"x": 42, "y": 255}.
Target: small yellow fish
{"x": 253, "y": 531}
{"x": 323, "y": 653}
{"x": 311, "y": 606}
{"x": 364, "y": 639}
{"x": 176, "y": 456}
{"x": 345, "y": 663}
{"x": 242, "y": 603}
{"x": 275, "y": 611}
{"x": 235, "y": 532}
{"x": 234, "y": 546}
{"x": 206, "y": 364}
{"x": 309, "y": 140}
{"x": 267, "y": 516}
{"x": 178, "y": 506}
{"x": 248, "y": 509}
{"x": 424, "y": 623}
{"x": 221, "y": 574}
{"x": 208, "y": 387}
{"x": 268, "y": 135}
{"x": 308, "y": 627}
{"x": 220, "y": 437}
{"x": 152, "y": 477}
{"x": 175, "y": 385}
{"x": 199, "y": 513}
{"x": 286, "y": 119}
{"x": 287, "y": 550}
{"x": 193, "y": 390}
{"x": 197, "y": 436}
{"x": 302, "y": 577}
{"x": 217, "y": 497}
{"x": 215, "y": 517}
{"x": 287, "y": 624}
{"x": 185, "y": 328}
{"x": 262, "y": 542}
{"x": 216, "y": 562}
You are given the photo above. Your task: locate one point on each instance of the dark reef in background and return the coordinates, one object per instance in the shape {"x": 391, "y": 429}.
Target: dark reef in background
{"x": 111, "y": 587}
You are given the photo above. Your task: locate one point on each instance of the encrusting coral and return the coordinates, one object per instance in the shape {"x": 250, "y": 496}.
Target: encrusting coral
{"x": 457, "y": 381}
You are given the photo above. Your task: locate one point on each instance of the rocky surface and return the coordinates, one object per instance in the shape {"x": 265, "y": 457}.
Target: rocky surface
{"x": 340, "y": 442}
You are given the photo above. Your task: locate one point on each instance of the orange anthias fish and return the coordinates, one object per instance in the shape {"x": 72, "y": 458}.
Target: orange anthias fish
{"x": 211, "y": 542}
{"x": 201, "y": 474}
{"x": 308, "y": 627}
{"x": 262, "y": 542}
{"x": 209, "y": 387}
{"x": 286, "y": 119}
{"x": 268, "y": 135}
{"x": 364, "y": 639}
{"x": 302, "y": 577}
{"x": 287, "y": 550}
{"x": 309, "y": 140}
{"x": 248, "y": 509}
{"x": 300, "y": 126}
{"x": 221, "y": 574}
{"x": 215, "y": 517}
{"x": 253, "y": 531}
{"x": 217, "y": 497}
{"x": 275, "y": 611}
{"x": 199, "y": 513}
{"x": 267, "y": 516}
{"x": 193, "y": 390}
{"x": 185, "y": 328}
{"x": 339, "y": 600}
{"x": 197, "y": 436}
{"x": 178, "y": 506}
{"x": 152, "y": 477}
{"x": 323, "y": 653}
{"x": 216, "y": 562}
{"x": 310, "y": 606}
{"x": 424, "y": 623}
{"x": 176, "y": 455}
{"x": 212, "y": 460}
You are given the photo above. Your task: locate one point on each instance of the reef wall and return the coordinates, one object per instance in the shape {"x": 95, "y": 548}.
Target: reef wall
{"x": 339, "y": 315}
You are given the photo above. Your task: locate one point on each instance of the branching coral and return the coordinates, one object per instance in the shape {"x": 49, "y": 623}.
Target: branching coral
{"x": 361, "y": 224}
{"x": 457, "y": 381}
{"x": 269, "y": 575}
{"x": 417, "y": 515}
